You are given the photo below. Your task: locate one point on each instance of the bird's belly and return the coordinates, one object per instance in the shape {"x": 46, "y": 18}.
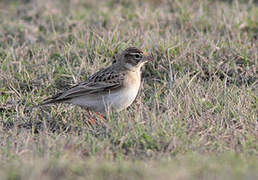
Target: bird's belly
{"x": 121, "y": 99}
{"x": 117, "y": 100}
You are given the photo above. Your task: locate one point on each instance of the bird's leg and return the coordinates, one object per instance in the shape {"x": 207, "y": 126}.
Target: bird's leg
{"x": 100, "y": 116}
{"x": 91, "y": 117}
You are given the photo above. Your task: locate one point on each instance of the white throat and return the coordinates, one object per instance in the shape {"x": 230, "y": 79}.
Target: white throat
{"x": 134, "y": 68}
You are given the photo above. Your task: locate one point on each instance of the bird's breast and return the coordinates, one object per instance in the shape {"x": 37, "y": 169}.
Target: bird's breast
{"x": 125, "y": 96}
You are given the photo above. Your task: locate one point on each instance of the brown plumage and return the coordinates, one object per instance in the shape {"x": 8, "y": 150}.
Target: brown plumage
{"x": 114, "y": 87}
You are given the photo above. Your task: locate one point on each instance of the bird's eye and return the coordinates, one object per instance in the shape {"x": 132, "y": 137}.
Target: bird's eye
{"x": 137, "y": 56}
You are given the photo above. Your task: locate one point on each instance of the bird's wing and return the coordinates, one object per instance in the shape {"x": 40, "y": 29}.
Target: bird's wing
{"x": 101, "y": 81}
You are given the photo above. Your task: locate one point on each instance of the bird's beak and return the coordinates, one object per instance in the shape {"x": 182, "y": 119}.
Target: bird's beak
{"x": 148, "y": 57}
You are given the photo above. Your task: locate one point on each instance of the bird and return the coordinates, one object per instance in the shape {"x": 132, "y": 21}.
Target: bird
{"x": 111, "y": 89}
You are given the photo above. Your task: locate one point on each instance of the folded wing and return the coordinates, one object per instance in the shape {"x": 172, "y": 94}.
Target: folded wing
{"x": 98, "y": 83}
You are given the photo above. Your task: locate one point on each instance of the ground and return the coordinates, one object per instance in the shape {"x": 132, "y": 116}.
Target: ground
{"x": 194, "y": 118}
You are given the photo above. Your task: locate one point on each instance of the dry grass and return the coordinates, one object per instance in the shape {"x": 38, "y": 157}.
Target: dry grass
{"x": 195, "y": 117}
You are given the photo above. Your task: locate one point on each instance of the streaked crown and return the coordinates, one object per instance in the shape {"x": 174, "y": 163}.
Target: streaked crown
{"x": 133, "y": 50}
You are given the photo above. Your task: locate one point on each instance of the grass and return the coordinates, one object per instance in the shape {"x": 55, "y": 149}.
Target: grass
{"x": 195, "y": 116}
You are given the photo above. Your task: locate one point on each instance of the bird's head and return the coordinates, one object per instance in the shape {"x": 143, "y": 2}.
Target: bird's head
{"x": 133, "y": 58}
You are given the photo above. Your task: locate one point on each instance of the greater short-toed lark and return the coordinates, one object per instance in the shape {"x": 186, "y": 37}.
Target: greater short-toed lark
{"x": 113, "y": 88}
